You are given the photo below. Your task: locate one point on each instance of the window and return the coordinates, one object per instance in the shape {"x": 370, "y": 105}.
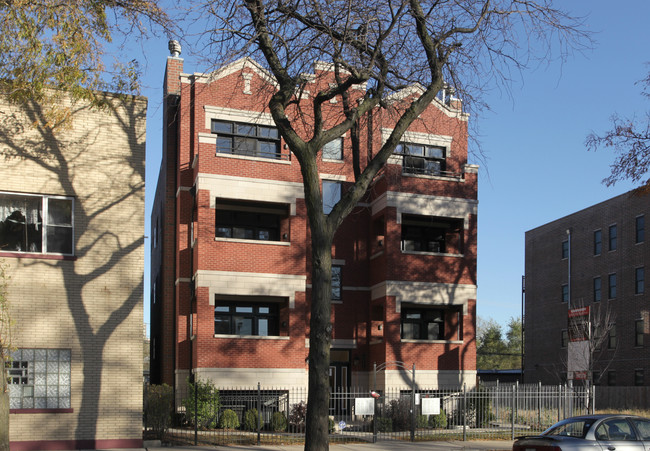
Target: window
{"x": 565, "y": 249}
{"x": 39, "y": 379}
{"x": 36, "y": 224}
{"x": 422, "y": 324}
{"x": 246, "y": 318}
{"x": 611, "y": 293}
{"x": 611, "y": 339}
{"x": 331, "y": 195}
{"x": 333, "y": 150}
{"x": 639, "y": 280}
{"x": 611, "y": 378}
{"x": 597, "y": 289}
{"x": 336, "y": 282}
{"x": 595, "y": 377}
{"x": 565, "y": 293}
{"x": 421, "y": 159}
{"x": 640, "y": 229}
{"x": 612, "y": 237}
{"x": 598, "y": 242}
{"x": 247, "y": 139}
{"x": 432, "y": 234}
{"x": 249, "y": 220}
{"x": 639, "y": 331}
{"x": 564, "y": 340}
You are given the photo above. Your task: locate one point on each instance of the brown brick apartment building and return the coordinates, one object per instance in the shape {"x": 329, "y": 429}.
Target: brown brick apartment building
{"x": 72, "y": 240}
{"x": 230, "y": 251}
{"x": 593, "y": 258}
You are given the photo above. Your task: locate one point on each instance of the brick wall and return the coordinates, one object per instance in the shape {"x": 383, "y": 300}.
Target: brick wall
{"x": 90, "y": 303}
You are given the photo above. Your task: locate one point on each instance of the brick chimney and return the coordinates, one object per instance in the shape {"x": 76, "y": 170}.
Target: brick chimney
{"x": 172, "y": 83}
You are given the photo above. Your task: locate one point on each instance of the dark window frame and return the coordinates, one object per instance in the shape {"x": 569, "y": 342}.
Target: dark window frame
{"x": 242, "y": 137}
{"x": 612, "y": 237}
{"x": 256, "y": 221}
{"x": 640, "y": 229}
{"x": 611, "y": 286}
{"x": 612, "y": 340}
{"x": 598, "y": 289}
{"x": 639, "y": 332}
{"x": 565, "y": 249}
{"x": 598, "y": 242}
{"x": 420, "y": 319}
{"x": 639, "y": 377}
{"x": 236, "y": 310}
{"x": 422, "y": 159}
{"x": 639, "y": 280}
{"x": 565, "y": 292}
{"x": 432, "y": 234}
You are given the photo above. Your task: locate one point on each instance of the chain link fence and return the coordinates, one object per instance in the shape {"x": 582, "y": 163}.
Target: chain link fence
{"x": 262, "y": 415}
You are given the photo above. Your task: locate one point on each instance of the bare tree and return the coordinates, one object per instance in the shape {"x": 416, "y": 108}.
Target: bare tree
{"x": 597, "y": 329}
{"x": 377, "y": 50}
{"x": 629, "y": 138}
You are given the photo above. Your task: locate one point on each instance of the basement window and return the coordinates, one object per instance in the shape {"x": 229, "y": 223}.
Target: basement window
{"x": 251, "y": 220}
{"x": 432, "y": 234}
{"x": 39, "y": 379}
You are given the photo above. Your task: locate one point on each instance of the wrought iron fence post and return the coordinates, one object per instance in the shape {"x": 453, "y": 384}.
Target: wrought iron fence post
{"x": 374, "y": 388}
{"x": 413, "y": 406}
{"x": 259, "y": 413}
{"x": 539, "y": 403}
{"x": 196, "y": 410}
{"x": 514, "y": 413}
{"x": 593, "y": 399}
{"x": 464, "y": 412}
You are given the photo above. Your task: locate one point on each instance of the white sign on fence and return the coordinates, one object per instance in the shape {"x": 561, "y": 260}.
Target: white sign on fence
{"x": 430, "y": 406}
{"x": 364, "y": 406}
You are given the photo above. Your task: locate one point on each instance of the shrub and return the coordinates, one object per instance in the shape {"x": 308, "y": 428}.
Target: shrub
{"x": 158, "y": 407}
{"x": 399, "y": 411}
{"x": 422, "y": 421}
{"x": 250, "y": 420}
{"x": 297, "y": 416}
{"x": 438, "y": 421}
{"x": 228, "y": 420}
{"x": 384, "y": 424}
{"x": 207, "y": 404}
{"x": 279, "y": 422}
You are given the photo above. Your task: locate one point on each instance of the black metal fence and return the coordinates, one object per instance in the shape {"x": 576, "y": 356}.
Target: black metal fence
{"x": 262, "y": 415}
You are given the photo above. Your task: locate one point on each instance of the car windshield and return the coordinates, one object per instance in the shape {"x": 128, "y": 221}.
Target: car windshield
{"x": 571, "y": 428}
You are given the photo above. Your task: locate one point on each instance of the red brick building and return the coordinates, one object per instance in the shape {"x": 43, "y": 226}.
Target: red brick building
{"x": 230, "y": 244}
{"x": 593, "y": 258}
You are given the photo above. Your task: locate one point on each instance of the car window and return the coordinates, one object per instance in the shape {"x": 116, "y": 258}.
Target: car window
{"x": 614, "y": 430}
{"x": 577, "y": 428}
{"x": 643, "y": 426}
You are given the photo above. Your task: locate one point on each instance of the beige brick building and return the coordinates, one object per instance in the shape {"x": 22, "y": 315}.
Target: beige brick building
{"x": 72, "y": 238}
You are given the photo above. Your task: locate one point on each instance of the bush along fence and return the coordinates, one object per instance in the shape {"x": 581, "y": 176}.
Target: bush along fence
{"x": 207, "y": 415}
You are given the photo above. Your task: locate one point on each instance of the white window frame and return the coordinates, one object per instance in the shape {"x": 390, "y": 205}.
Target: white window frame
{"x": 44, "y": 223}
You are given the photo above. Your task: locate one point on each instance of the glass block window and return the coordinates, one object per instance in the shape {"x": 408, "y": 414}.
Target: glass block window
{"x": 39, "y": 379}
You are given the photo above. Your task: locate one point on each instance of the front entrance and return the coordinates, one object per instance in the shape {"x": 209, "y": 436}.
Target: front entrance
{"x": 339, "y": 381}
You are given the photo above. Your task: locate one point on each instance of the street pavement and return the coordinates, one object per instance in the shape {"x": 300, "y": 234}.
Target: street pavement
{"x": 452, "y": 445}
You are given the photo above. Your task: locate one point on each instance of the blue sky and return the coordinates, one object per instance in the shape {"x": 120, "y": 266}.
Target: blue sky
{"x": 536, "y": 167}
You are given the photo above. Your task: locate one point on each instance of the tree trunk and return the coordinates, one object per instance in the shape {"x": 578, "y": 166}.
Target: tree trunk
{"x": 4, "y": 411}
{"x": 320, "y": 337}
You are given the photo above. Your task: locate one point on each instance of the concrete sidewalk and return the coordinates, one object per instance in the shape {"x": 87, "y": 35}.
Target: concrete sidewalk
{"x": 485, "y": 445}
